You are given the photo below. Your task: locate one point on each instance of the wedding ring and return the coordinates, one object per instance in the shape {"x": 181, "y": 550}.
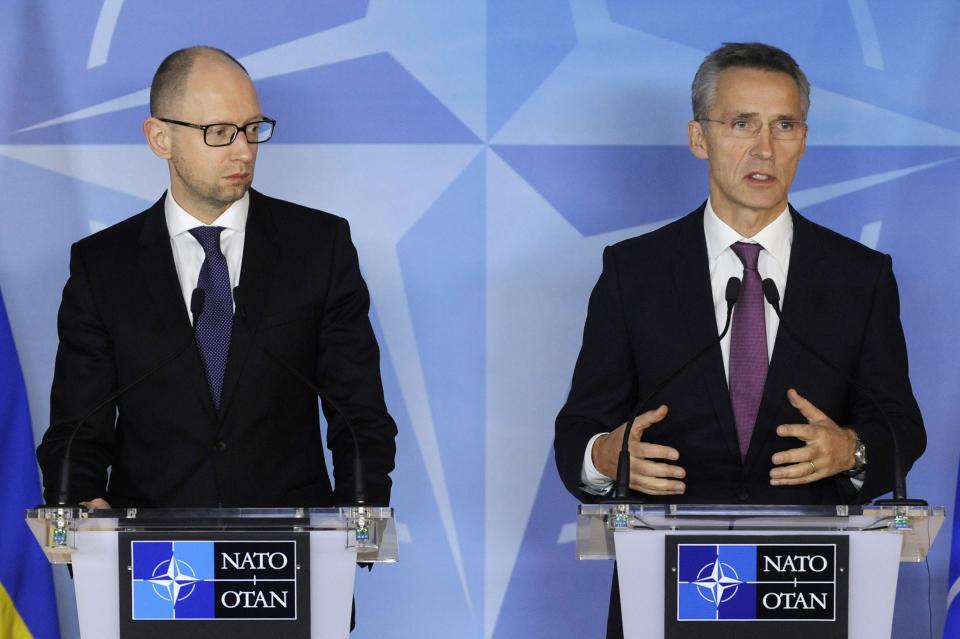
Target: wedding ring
{"x": 813, "y": 468}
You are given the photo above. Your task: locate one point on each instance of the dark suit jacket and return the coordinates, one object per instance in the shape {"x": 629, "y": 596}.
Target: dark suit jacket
{"x": 166, "y": 445}
{"x": 652, "y": 309}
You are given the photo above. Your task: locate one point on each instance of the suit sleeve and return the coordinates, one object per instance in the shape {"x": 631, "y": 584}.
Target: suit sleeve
{"x": 84, "y": 374}
{"x": 883, "y": 369}
{"x": 348, "y": 368}
{"x": 604, "y": 386}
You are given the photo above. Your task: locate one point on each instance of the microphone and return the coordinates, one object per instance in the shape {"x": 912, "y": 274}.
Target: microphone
{"x": 359, "y": 479}
{"x": 621, "y": 489}
{"x": 772, "y": 296}
{"x": 197, "y": 303}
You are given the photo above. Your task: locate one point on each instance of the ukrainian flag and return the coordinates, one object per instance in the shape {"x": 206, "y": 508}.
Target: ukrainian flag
{"x": 28, "y": 608}
{"x": 951, "y": 626}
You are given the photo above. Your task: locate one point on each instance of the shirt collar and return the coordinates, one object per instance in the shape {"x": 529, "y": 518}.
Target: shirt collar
{"x": 179, "y": 221}
{"x": 775, "y": 237}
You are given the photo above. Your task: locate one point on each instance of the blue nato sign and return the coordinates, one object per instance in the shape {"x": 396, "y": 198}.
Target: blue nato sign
{"x": 172, "y": 580}
{"x": 214, "y": 587}
{"x": 791, "y": 586}
{"x": 717, "y": 582}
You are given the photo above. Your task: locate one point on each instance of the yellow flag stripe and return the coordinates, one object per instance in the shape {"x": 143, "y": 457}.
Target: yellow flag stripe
{"x": 11, "y": 625}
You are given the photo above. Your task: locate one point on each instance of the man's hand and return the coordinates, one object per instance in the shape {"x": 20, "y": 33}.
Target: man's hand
{"x": 828, "y": 448}
{"x": 647, "y": 476}
{"x": 96, "y": 504}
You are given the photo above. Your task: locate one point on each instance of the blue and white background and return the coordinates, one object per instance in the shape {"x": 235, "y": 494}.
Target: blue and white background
{"x": 485, "y": 151}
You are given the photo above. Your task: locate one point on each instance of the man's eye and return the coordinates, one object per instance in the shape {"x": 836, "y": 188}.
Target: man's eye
{"x": 219, "y": 131}
{"x": 253, "y": 128}
{"x": 740, "y": 124}
{"x": 786, "y": 125}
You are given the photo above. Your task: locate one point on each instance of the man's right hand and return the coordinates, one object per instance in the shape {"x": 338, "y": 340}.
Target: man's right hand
{"x": 96, "y": 504}
{"x": 646, "y": 475}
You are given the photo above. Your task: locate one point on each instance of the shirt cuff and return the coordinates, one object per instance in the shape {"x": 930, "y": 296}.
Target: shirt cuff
{"x": 592, "y": 481}
{"x": 858, "y": 479}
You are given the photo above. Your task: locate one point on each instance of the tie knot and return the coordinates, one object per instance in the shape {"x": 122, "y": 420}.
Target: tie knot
{"x": 748, "y": 254}
{"x": 209, "y": 238}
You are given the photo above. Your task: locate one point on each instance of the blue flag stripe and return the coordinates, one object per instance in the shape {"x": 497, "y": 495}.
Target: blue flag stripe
{"x": 24, "y": 571}
{"x": 951, "y": 626}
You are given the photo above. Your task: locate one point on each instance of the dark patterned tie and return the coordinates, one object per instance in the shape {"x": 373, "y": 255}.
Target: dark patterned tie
{"x": 215, "y": 323}
{"x": 748, "y": 346}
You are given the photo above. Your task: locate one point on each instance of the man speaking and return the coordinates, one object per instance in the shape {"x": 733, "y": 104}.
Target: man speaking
{"x": 206, "y": 296}
{"x": 756, "y": 419}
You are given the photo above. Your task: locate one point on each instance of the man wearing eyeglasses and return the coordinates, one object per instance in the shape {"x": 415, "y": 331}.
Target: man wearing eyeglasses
{"x": 197, "y": 297}
{"x": 756, "y": 419}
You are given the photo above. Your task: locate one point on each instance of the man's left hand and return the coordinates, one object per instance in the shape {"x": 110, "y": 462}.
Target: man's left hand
{"x": 828, "y": 448}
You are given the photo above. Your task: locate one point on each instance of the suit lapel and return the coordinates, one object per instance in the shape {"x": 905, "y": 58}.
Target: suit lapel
{"x": 155, "y": 258}
{"x": 800, "y": 301}
{"x": 692, "y": 276}
{"x": 260, "y": 254}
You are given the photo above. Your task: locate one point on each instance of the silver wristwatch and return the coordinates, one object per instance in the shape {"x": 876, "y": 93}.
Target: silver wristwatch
{"x": 859, "y": 457}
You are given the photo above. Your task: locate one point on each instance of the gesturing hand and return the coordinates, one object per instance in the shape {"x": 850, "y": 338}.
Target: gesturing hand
{"x": 646, "y": 475}
{"x": 827, "y": 450}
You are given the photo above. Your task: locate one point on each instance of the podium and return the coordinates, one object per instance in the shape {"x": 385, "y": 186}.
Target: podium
{"x": 284, "y": 572}
{"x": 681, "y": 568}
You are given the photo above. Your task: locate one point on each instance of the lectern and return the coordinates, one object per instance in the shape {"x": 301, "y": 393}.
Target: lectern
{"x": 218, "y": 572}
{"x": 757, "y": 571}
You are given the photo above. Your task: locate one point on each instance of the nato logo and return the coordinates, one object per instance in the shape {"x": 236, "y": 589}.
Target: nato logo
{"x": 177, "y": 580}
{"x": 754, "y": 582}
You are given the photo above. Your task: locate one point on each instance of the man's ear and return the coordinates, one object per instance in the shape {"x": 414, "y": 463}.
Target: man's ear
{"x": 696, "y": 139}
{"x": 158, "y": 137}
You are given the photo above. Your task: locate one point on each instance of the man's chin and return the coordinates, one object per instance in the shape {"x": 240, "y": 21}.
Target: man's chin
{"x": 764, "y": 202}
{"x": 232, "y": 193}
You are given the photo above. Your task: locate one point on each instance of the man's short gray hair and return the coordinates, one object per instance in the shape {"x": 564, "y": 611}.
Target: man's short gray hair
{"x": 750, "y": 55}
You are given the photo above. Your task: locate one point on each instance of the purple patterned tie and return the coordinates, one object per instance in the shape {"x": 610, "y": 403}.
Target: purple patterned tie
{"x": 748, "y": 346}
{"x": 216, "y": 322}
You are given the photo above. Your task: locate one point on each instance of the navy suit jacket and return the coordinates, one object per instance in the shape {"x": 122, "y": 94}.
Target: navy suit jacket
{"x": 163, "y": 441}
{"x": 652, "y": 309}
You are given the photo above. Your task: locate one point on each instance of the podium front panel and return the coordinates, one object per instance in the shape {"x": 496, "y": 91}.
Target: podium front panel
{"x": 873, "y": 570}
{"x": 97, "y": 584}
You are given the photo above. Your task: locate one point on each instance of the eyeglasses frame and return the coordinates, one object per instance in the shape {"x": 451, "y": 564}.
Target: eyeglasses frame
{"x": 237, "y": 129}
{"x": 800, "y": 123}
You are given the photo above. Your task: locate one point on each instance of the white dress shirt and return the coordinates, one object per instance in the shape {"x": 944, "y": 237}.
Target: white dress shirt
{"x": 776, "y": 239}
{"x": 188, "y": 255}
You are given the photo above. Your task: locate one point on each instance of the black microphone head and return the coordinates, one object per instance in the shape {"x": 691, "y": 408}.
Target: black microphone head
{"x": 197, "y": 301}
{"x": 733, "y": 290}
{"x": 771, "y": 293}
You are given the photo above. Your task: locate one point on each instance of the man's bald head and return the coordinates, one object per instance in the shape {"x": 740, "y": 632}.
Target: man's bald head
{"x": 170, "y": 80}
{"x": 194, "y": 90}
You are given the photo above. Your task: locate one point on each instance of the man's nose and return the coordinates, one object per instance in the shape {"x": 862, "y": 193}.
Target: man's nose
{"x": 763, "y": 143}
{"x": 240, "y": 147}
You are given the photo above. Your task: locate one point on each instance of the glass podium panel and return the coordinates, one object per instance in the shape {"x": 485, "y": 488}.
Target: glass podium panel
{"x": 372, "y": 531}
{"x": 597, "y": 523}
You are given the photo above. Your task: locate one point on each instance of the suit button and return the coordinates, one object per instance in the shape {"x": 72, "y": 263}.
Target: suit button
{"x": 742, "y": 494}
{"x": 220, "y": 446}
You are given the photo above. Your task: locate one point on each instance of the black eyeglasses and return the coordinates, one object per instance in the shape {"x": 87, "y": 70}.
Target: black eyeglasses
{"x": 224, "y": 133}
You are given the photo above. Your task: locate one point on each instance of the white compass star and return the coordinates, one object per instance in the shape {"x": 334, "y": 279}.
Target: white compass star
{"x": 174, "y": 579}
{"x": 722, "y": 578}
